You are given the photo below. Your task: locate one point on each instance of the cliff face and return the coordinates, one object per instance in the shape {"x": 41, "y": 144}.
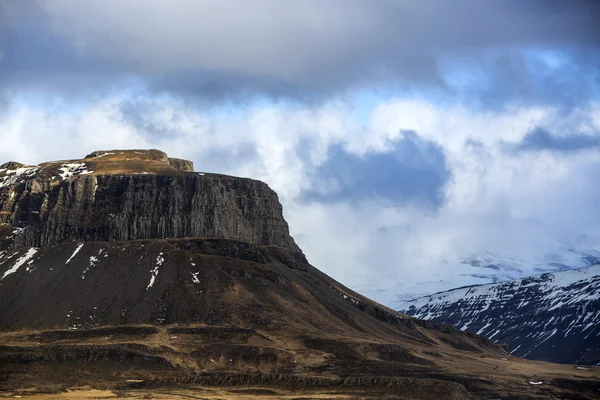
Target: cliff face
{"x": 41, "y": 209}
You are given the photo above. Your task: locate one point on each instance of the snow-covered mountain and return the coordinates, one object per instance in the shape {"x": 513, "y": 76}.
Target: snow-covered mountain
{"x": 552, "y": 316}
{"x": 500, "y": 267}
{"x": 474, "y": 269}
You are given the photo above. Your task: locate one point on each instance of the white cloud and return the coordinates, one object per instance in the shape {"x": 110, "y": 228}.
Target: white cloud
{"x": 520, "y": 203}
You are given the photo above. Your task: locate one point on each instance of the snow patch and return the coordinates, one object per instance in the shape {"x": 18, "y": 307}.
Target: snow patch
{"x": 517, "y": 348}
{"x": 95, "y": 190}
{"x": 75, "y": 252}
{"x": 479, "y": 332}
{"x": 154, "y": 271}
{"x": 494, "y": 334}
{"x": 13, "y": 176}
{"x": 68, "y": 170}
{"x": 93, "y": 261}
{"x": 22, "y": 260}
{"x": 15, "y": 232}
{"x": 105, "y": 154}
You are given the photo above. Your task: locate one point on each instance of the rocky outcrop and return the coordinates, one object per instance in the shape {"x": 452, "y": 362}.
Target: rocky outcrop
{"x": 147, "y": 155}
{"x": 153, "y": 154}
{"x": 40, "y": 211}
{"x": 11, "y": 165}
{"x": 181, "y": 165}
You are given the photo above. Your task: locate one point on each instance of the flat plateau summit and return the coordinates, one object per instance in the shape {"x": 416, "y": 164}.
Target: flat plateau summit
{"x": 127, "y": 195}
{"x": 127, "y": 273}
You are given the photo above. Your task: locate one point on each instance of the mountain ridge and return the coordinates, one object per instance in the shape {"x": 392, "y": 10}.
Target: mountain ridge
{"x": 551, "y": 316}
{"x": 479, "y": 269}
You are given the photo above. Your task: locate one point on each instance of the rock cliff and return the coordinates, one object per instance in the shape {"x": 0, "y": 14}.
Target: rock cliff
{"x": 117, "y": 195}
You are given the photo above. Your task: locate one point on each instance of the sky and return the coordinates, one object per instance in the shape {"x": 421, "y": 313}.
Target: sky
{"x": 398, "y": 134}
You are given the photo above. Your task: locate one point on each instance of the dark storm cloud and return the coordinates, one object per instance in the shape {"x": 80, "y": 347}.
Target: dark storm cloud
{"x": 301, "y": 49}
{"x": 540, "y": 140}
{"x": 412, "y": 172}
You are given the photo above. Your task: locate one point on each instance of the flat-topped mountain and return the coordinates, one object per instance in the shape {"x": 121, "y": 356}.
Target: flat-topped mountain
{"x": 135, "y": 194}
{"x": 126, "y": 270}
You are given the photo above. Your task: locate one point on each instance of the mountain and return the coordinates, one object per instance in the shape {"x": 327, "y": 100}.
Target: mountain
{"x": 134, "y": 195}
{"x": 477, "y": 269}
{"x": 552, "y": 317}
{"x": 128, "y": 272}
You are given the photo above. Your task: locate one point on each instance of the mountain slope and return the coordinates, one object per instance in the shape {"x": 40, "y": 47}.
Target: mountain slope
{"x": 553, "y": 316}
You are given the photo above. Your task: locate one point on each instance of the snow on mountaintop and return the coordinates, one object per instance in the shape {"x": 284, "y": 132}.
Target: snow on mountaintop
{"x": 547, "y": 283}
{"x": 552, "y": 316}
{"x": 476, "y": 269}
{"x": 11, "y": 176}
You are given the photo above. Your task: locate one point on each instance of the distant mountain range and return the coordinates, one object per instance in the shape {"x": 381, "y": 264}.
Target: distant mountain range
{"x": 477, "y": 269}
{"x": 552, "y": 316}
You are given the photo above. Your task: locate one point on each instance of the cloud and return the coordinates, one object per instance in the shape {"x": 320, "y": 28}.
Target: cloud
{"x": 524, "y": 204}
{"x": 411, "y": 171}
{"x": 540, "y": 139}
{"x": 305, "y": 50}
{"x": 519, "y": 203}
